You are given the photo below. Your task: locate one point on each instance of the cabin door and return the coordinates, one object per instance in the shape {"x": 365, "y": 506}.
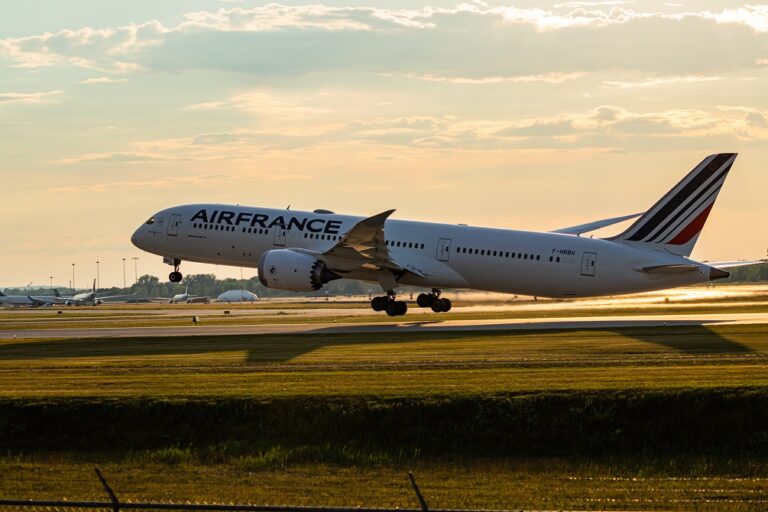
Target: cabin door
{"x": 588, "y": 264}
{"x": 443, "y": 249}
{"x": 173, "y": 226}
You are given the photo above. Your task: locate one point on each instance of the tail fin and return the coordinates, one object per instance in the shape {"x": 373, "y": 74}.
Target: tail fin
{"x": 56, "y": 293}
{"x": 674, "y": 223}
{"x": 2, "y": 294}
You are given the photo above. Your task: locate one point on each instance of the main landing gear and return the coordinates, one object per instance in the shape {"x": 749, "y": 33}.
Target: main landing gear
{"x": 398, "y": 307}
{"x": 175, "y": 276}
{"x": 433, "y": 300}
{"x": 389, "y": 304}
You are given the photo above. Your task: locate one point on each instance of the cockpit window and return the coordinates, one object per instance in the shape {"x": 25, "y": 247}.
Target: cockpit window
{"x": 151, "y": 220}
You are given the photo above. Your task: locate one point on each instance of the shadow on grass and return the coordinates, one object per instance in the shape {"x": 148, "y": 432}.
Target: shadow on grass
{"x": 684, "y": 336}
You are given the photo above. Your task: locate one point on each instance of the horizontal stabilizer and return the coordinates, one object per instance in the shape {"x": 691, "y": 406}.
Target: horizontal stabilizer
{"x": 593, "y": 226}
{"x": 734, "y": 264}
{"x": 668, "y": 269}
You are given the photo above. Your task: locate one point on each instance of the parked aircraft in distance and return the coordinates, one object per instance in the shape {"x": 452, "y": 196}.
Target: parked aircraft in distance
{"x": 33, "y": 301}
{"x": 301, "y": 251}
{"x": 186, "y": 298}
{"x": 82, "y": 299}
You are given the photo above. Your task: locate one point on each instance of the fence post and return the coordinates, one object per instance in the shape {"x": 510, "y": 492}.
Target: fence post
{"x": 422, "y": 503}
{"x": 108, "y": 489}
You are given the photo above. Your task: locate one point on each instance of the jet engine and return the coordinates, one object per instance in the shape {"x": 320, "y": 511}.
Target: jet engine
{"x": 285, "y": 269}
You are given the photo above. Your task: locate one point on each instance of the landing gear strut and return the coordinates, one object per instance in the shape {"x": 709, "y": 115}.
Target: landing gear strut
{"x": 175, "y": 276}
{"x": 433, "y": 300}
{"x": 389, "y": 304}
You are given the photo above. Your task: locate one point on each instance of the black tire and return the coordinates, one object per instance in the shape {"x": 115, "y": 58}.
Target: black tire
{"x": 379, "y": 303}
{"x": 402, "y": 307}
{"x": 424, "y": 300}
{"x": 175, "y": 277}
{"x": 437, "y": 306}
{"x": 447, "y": 305}
{"x": 392, "y": 308}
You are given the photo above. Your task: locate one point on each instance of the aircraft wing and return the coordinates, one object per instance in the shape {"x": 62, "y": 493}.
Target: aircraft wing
{"x": 593, "y": 226}
{"x": 364, "y": 247}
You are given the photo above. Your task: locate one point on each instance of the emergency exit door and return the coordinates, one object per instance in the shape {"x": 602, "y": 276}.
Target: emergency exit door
{"x": 280, "y": 234}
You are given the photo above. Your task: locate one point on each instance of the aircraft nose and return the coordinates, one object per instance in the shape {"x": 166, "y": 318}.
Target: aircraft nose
{"x": 138, "y": 238}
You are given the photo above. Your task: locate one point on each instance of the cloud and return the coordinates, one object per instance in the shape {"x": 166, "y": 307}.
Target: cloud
{"x": 467, "y": 39}
{"x": 117, "y": 157}
{"x": 660, "y": 81}
{"x": 549, "y": 78}
{"x": 7, "y": 98}
{"x": 103, "y": 80}
{"x": 263, "y": 103}
{"x": 127, "y": 185}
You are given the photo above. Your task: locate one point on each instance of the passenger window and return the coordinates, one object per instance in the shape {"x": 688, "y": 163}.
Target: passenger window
{"x": 558, "y": 259}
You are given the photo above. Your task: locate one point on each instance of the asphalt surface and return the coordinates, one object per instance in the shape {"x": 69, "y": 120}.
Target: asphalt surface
{"x": 591, "y": 322}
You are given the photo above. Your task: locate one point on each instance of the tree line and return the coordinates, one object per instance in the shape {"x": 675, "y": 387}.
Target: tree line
{"x": 208, "y": 285}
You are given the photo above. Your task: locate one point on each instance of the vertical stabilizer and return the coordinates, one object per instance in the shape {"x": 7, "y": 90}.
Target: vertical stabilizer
{"x": 675, "y": 222}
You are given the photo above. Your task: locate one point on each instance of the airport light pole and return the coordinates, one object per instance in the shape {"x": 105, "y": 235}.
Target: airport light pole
{"x": 73, "y": 278}
{"x": 123, "y": 273}
{"x": 135, "y": 270}
{"x": 98, "y": 278}
{"x": 51, "y": 278}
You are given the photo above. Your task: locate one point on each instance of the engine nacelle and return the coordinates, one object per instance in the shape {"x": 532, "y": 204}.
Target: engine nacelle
{"x": 285, "y": 269}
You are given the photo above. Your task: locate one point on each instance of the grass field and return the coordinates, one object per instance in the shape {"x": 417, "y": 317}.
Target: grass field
{"x": 548, "y": 484}
{"x": 160, "y": 403}
{"x": 404, "y": 364}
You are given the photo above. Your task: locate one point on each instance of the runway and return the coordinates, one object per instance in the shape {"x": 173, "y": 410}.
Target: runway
{"x": 587, "y": 322}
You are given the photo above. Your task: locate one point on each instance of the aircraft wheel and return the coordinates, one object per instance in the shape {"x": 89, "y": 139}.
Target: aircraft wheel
{"x": 424, "y": 300}
{"x": 175, "y": 276}
{"x": 392, "y": 308}
{"x": 437, "y": 306}
{"x": 379, "y": 303}
{"x": 446, "y": 305}
{"x": 402, "y": 307}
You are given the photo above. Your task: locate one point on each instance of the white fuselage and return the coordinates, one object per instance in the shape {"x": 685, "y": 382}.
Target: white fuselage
{"x": 449, "y": 256}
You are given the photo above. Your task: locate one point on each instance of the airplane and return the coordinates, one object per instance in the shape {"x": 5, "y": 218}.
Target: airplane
{"x": 30, "y": 300}
{"x": 82, "y": 299}
{"x": 301, "y": 251}
{"x": 188, "y": 299}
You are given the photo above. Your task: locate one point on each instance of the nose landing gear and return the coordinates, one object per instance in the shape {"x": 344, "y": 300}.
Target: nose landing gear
{"x": 175, "y": 276}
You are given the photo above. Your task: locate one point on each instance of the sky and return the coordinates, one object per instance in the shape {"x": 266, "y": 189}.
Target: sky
{"x": 525, "y": 115}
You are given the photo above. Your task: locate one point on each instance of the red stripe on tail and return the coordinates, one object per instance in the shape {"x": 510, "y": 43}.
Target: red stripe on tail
{"x": 693, "y": 228}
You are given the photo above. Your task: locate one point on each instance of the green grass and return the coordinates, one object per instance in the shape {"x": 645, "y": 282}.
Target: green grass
{"x": 663, "y": 418}
{"x": 549, "y": 484}
{"x": 386, "y": 364}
